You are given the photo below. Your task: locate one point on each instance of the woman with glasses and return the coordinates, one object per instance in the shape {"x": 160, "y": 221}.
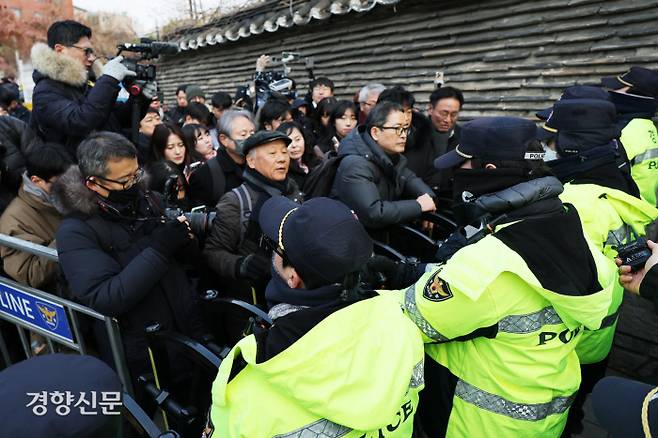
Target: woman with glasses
{"x": 373, "y": 178}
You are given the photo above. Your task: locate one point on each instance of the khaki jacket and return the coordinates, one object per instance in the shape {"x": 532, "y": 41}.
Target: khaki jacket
{"x": 29, "y": 218}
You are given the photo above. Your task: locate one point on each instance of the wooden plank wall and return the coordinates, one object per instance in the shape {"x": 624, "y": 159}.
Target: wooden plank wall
{"x": 509, "y": 57}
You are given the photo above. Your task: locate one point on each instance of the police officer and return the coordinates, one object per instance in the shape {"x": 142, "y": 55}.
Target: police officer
{"x": 517, "y": 299}
{"x": 60, "y": 395}
{"x": 635, "y": 95}
{"x": 336, "y": 361}
{"x": 586, "y": 163}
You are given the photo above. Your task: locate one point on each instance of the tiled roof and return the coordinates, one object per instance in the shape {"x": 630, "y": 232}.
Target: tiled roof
{"x": 270, "y": 17}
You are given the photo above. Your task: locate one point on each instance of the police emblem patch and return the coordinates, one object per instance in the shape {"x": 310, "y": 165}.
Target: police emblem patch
{"x": 437, "y": 289}
{"x": 48, "y": 315}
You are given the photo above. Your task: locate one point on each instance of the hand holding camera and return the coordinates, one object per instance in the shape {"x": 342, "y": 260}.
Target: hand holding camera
{"x": 116, "y": 69}
{"x": 171, "y": 236}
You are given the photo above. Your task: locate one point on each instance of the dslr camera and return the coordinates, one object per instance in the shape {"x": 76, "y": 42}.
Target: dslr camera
{"x": 200, "y": 221}
{"x": 147, "y": 49}
{"x": 634, "y": 254}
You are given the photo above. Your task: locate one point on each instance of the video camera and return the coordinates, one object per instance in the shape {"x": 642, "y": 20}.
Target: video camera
{"x": 277, "y": 81}
{"x": 148, "y": 49}
{"x": 200, "y": 221}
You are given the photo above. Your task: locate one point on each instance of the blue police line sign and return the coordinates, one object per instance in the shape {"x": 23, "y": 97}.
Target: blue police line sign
{"x": 35, "y": 311}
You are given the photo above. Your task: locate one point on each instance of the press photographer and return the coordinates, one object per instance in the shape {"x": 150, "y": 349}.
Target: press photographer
{"x": 118, "y": 252}
{"x": 67, "y": 106}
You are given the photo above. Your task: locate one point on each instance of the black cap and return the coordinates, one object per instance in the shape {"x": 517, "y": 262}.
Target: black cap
{"x": 576, "y": 92}
{"x": 617, "y": 404}
{"x": 492, "y": 138}
{"x": 582, "y": 115}
{"x": 62, "y": 373}
{"x": 581, "y": 124}
{"x": 299, "y": 102}
{"x": 642, "y": 80}
{"x": 262, "y": 137}
{"x": 321, "y": 238}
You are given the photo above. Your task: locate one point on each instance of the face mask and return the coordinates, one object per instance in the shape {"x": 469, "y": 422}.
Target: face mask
{"x": 549, "y": 154}
{"x": 126, "y": 197}
{"x": 239, "y": 146}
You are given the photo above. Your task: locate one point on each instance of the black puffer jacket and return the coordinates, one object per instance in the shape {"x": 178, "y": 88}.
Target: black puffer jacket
{"x": 66, "y": 108}
{"x": 15, "y": 137}
{"x": 381, "y": 192}
{"x": 123, "y": 276}
{"x": 421, "y": 150}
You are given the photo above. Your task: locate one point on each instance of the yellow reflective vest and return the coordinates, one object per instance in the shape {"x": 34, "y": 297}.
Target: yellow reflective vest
{"x": 522, "y": 381}
{"x": 640, "y": 139}
{"x": 355, "y": 374}
{"x": 610, "y": 218}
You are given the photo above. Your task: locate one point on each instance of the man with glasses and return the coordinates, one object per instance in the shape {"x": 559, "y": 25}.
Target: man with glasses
{"x": 443, "y": 110}
{"x": 421, "y": 148}
{"x": 118, "y": 253}
{"x": 66, "y": 106}
{"x": 373, "y": 178}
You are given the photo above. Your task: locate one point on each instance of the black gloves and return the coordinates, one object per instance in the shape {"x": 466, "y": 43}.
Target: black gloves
{"x": 252, "y": 267}
{"x": 450, "y": 246}
{"x": 382, "y": 272}
{"x": 170, "y": 237}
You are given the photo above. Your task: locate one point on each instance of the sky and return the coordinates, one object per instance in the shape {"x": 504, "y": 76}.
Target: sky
{"x": 142, "y": 11}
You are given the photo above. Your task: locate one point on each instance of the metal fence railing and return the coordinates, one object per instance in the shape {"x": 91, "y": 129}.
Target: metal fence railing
{"x": 53, "y": 317}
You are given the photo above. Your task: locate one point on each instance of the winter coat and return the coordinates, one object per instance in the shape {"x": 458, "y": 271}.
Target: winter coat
{"x": 380, "y": 192}
{"x": 119, "y": 273}
{"x": 445, "y": 142}
{"x": 227, "y": 243}
{"x": 66, "y": 107}
{"x": 15, "y": 137}
{"x": 422, "y": 149}
{"x": 201, "y": 180}
{"x": 21, "y": 113}
{"x": 30, "y": 218}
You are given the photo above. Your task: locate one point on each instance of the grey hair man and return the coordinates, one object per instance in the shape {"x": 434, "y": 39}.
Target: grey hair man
{"x": 224, "y": 172}
{"x": 368, "y": 96}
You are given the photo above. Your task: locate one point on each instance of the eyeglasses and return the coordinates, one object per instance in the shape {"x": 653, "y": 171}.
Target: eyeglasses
{"x": 131, "y": 181}
{"x": 88, "y": 50}
{"x": 399, "y": 130}
{"x": 274, "y": 247}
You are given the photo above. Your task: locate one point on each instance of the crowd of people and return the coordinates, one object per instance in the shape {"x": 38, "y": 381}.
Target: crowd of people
{"x": 503, "y": 330}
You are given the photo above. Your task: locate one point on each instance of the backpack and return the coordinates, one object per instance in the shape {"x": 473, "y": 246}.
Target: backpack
{"x": 320, "y": 179}
{"x": 246, "y": 206}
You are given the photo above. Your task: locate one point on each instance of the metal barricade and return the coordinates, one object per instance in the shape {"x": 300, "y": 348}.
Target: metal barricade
{"x": 52, "y": 317}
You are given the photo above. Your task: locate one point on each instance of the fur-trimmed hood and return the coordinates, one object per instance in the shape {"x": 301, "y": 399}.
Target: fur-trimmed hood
{"x": 72, "y": 195}
{"x": 59, "y": 67}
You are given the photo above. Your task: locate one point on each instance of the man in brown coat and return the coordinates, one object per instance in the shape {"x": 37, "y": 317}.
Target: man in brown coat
{"x": 32, "y": 216}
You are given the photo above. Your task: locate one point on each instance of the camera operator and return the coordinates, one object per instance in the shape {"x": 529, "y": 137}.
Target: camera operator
{"x": 66, "y": 105}
{"x": 645, "y": 281}
{"x": 119, "y": 255}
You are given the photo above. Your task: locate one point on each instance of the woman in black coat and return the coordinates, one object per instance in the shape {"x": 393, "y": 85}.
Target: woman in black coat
{"x": 302, "y": 156}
